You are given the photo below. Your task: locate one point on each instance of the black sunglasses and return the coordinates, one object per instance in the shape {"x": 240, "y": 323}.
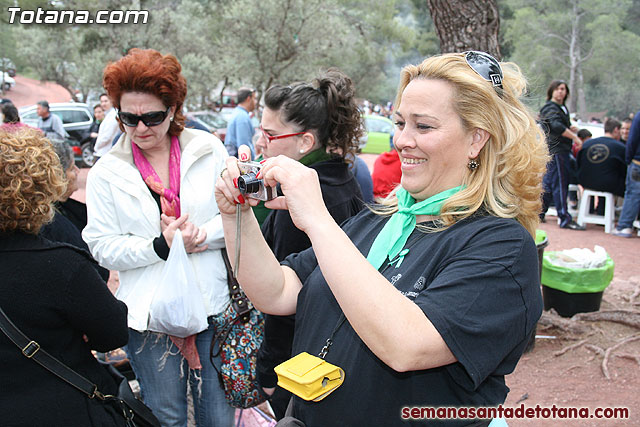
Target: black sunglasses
{"x": 486, "y": 66}
{"x": 153, "y": 118}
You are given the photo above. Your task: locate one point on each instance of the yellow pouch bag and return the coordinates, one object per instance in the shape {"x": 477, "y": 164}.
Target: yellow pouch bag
{"x": 309, "y": 377}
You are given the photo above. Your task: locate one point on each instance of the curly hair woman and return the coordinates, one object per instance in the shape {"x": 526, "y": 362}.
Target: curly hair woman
{"x": 317, "y": 124}
{"x": 440, "y": 291}
{"x": 51, "y": 292}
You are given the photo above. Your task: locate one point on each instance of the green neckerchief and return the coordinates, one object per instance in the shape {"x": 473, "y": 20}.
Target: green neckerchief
{"x": 315, "y": 156}
{"x": 393, "y": 236}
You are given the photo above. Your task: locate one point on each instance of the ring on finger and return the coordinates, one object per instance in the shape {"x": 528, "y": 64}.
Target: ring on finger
{"x": 223, "y": 171}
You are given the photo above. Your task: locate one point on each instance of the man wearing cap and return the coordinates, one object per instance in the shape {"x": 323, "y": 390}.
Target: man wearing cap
{"x": 49, "y": 123}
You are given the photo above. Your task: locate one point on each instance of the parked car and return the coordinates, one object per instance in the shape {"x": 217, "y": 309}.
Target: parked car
{"x": 76, "y": 119}
{"x": 378, "y": 135}
{"x": 7, "y": 65}
{"x": 227, "y": 113}
{"x": 212, "y": 121}
{"x": 596, "y": 129}
{"x": 8, "y": 82}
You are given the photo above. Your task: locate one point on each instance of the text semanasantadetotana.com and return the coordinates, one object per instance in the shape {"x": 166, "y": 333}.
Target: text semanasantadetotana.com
{"x": 42, "y": 16}
{"x": 520, "y": 412}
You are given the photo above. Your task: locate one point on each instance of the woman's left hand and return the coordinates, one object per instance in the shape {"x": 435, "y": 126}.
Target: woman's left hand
{"x": 301, "y": 189}
{"x": 193, "y": 237}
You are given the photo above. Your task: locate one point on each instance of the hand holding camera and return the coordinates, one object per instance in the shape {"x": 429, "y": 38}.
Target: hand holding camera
{"x": 303, "y": 197}
{"x": 250, "y": 185}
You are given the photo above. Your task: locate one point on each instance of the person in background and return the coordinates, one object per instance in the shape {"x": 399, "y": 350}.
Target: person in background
{"x": 631, "y": 205}
{"x": 98, "y": 117}
{"x": 624, "y": 130}
{"x": 11, "y": 118}
{"x": 108, "y": 130}
{"x": 360, "y": 170}
{"x": 49, "y": 123}
{"x": 561, "y": 135}
{"x": 240, "y": 129}
{"x": 157, "y": 179}
{"x": 387, "y": 173}
{"x": 432, "y": 298}
{"x": 584, "y": 135}
{"x": 317, "y": 125}
{"x": 601, "y": 164}
{"x": 52, "y": 293}
{"x": 70, "y": 215}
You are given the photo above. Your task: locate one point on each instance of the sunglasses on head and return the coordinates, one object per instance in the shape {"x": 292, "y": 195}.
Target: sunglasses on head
{"x": 152, "y": 118}
{"x": 486, "y": 66}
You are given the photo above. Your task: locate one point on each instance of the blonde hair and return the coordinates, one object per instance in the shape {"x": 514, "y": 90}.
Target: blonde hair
{"x": 31, "y": 179}
{"x": 508, "y": 181}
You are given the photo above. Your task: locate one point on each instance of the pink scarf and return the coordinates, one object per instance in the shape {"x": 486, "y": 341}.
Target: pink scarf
{"x": 170, "y": 205}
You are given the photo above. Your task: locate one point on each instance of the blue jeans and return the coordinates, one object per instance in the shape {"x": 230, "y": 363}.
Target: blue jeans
{"x": 556, "y": 186}
{"x": 631, "y": 204}
{"x": 163, "y": 375}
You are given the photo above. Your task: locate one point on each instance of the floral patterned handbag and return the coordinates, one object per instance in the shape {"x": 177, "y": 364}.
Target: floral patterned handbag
{"x": 239, "y": 333}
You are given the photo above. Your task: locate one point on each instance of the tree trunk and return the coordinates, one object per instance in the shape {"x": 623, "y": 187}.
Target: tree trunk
{"x": 574, "y": 58}
{"x": 466, "y": 25}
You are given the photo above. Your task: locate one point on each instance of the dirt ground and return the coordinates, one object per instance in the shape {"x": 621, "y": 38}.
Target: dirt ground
{"x": 29, "y": 91}
{"x": 575, "y": 378}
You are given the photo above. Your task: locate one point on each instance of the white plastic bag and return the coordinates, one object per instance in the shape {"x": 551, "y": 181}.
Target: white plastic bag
{"x": 580, "y": 258}
{"x": 177, "y": 307}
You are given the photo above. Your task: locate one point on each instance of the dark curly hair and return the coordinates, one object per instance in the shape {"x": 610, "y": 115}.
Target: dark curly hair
{"x": 148, "y": 71}
{"x": 325, "y": 107}
{"x": 31, "y": 179}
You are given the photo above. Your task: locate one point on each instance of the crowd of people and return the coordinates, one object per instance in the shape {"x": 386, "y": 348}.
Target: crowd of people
{"x": 598, "y": 164}
{"x": 430, "y": 293}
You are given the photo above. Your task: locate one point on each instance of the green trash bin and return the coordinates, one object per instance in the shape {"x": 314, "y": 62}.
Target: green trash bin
{"x": 574, "y": 290}
{"x": 541, "y": 242}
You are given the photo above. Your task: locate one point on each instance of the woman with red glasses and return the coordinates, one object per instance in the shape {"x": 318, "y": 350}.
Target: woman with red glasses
{"x": 318, "y": 125}
{"x": 158, "y": 178}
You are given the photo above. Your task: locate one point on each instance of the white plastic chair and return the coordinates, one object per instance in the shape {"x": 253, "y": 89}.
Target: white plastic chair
{"x": 585, "y": 217}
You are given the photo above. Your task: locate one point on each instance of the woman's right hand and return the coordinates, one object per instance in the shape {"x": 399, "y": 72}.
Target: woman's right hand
{"x": 169, "y": 227}
{"x": 227, "y": 193}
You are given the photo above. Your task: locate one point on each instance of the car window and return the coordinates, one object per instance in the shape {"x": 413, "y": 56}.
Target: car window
{"x": 73, "y": 116}
{"x": 30, "y": 116}
{"x": 211, "y": 120}
{"x": 374, "y": 125}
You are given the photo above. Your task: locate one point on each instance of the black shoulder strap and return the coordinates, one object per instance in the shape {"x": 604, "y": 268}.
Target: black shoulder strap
{"x": 31, "y": 350}
{"x": 239, "y": 300}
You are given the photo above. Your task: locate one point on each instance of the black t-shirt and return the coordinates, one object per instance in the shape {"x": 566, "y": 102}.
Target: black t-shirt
{"x": 601, "y": 165}
{"x": 477, "y": 282}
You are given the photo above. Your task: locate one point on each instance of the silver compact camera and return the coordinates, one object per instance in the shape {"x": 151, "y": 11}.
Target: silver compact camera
{"x": 252, "y": 187}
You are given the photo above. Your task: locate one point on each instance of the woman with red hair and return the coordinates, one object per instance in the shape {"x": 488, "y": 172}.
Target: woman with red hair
{"x": 158, "y": 178}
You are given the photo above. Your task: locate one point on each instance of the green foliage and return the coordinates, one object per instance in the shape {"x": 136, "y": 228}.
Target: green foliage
{"x": 539, "y": 35}
{"x": 244, "y": 42}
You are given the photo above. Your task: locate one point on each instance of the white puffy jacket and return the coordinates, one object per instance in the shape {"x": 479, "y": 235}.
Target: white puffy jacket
{"x": 124, "y": 219}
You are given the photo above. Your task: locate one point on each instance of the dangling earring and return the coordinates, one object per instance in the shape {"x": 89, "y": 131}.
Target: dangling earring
{"x": 301, "y": 151}
{"x": 473, "y": 164}
{"x": 171, "y": 119}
